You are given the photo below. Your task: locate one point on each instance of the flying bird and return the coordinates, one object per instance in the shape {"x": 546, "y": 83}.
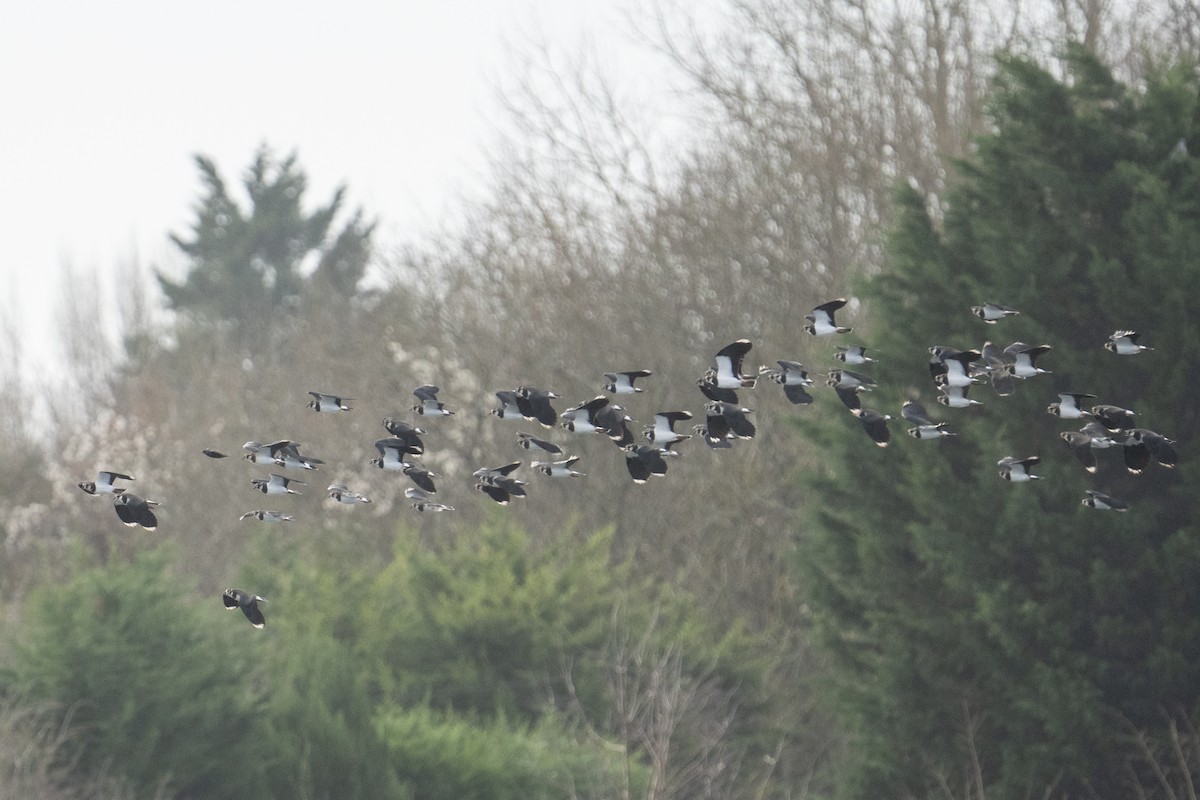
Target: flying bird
{"x": 999, "y": 369}
{"x": 662, "y": 432}
{"x": 529, "y": 442}
{"x": 924, "y": 427}
{"x": 821, "y": 323}
{"x": 212, "y": 453}
{"x": 267, "y": 516}
{"x": 496, "y": 483}
{"x": 1081, "y": 445}
{"x": 509, "y": 407}
{"x": 991, "y": 312}
{"x": 134, "y": 511}
{"x": 429, "y": 406}
{"x": 104, "y": 483}
{"x": 1070, "y": 405}
{"x": 343, "y": 495}
{"x": 622, "y": 382}
{"x": 582, "y": 418}
{"x": 325, "y": 402}
{"x": 612, "y": 420}
{"x": 956, "y": 397}
{"x": 248, "y": 603}
{"x": 1017, "y": 469}
{"x": 644, "y": 461}
{"x": 275, "y": 484}
{"x": 422, "y": 502}
{"x": 708, "y": 387}
{"x": 420, "y": 475}
{"x": 558, "y": 469}
{"x": 728, "y": 419}
{"x": 1103, "y": 502}
{"x": 405, "y": 436}
{"x": 955, "y": 366}
{"x": 1125, "y": 343}
{"x": 1024, "y": 358}
{"x": 728, "y": 372}
{"x": 1114, "y": 418}
{"x": 852, "y": 354}
{"x": 875, "y": 424}
{"x": 534, "y": 404}
{"x": 1142, "y": 444}
{"x": 792, "y": 376}
{"x": 715, "y": 441}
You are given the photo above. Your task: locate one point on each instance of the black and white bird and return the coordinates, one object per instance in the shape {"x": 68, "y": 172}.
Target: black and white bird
{"x": 849, "y": 397}
{"x": 1070, "y": 405}
{"x": 392, "y": 453}
{"x": 623, "y": 382}
{"x": 1101, "y": 437}
{"x": 845, "y": 379}
{"x": 728, "y": 419}
{"x": 134, "y": 511}
{"x": 428, "y": 405}
{"x": 852, "y": 354}
{"x": 991, "y": 312}
{"x": 423, "y": 502}
{"x": 1017, "y": 470}
{"x": 530, "y": 442}
{"x": 419, "y": 475}
{"x": 793, "y": 377}
{"x": 821, "y": 323}
{"x": 1103, "y": 502}
{"x": 998, "y": 365}
{"x": 715, "y": 441}
{"x": 534, "y": 404}
{"x": 582, "y": 418}
{"x": 275, "y": 484}
{"x": 509, "y": 407}
{"x": 956, "y": 397}
{"x": 248, "y": 603}
{"x": 708, "y": 387}
{"x": 283, "y": 453}
{"x": 875, "y": 424}
{"x": 267, "y": 516}
{"x": 1125, "y": 343}
{"x": 342, "y": 494}
{"x": 104, "y": 483}
{"x": 662, "y": 433}
{"x": 923, "y": 426}
{"x": 1024, "y": 358}
{"x": 1142, "y": 444}
{"x": 558, "y": 469}
{"x": 405, "y": 435}
{"x": 614, "y": 423}
{"x": 955, "y": 366}
{"x": 1114, "y": 418}
{"x": 1081, "y": 445}
{"x": 728, "y": 373}
{"x": 325, "y": 402}
{"x": 644, "y": 461}
{"x": 496, "y": 483}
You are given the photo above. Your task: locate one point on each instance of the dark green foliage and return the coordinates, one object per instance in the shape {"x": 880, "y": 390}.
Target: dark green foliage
{"x": 953, "y": 600}
{"x": 246, "y": 263}
{"x": 443, "y": 756}
{"x": 157, "y": 687}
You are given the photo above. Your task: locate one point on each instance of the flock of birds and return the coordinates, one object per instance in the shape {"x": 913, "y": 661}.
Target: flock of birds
{"x": 953, "y": 371}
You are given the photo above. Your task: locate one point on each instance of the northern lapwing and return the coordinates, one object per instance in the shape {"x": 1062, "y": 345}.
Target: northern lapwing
{"x": 275, "y": 484}
{"x": 792, "y": 376}
{"x": 991, "y": 312}
{"x": 1125, "y": 343}
{"x": 134, "y": 511}
{"x": 104, "y": 483}
{"x": 558, "y": 469}
{"x": 1103, "y": 502}
{"x": 429, "y": 405}
{"x": 267, "y": 516}
{"x": 821, "y": 322}
{"x": 248, "y": 603}
{"x": 342, "y": 494}
{"x": 1070, "y": 405}
{"x": 1017, "y": 470}
{"x": 623, "y": 382}
{"x": 324, "y": 402}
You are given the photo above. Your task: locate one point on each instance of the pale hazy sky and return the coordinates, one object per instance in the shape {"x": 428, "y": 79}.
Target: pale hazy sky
{"x": 102, "y": 106}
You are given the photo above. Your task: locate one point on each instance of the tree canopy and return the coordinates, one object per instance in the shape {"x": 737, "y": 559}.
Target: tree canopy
{"x": 1006, "y": 628}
